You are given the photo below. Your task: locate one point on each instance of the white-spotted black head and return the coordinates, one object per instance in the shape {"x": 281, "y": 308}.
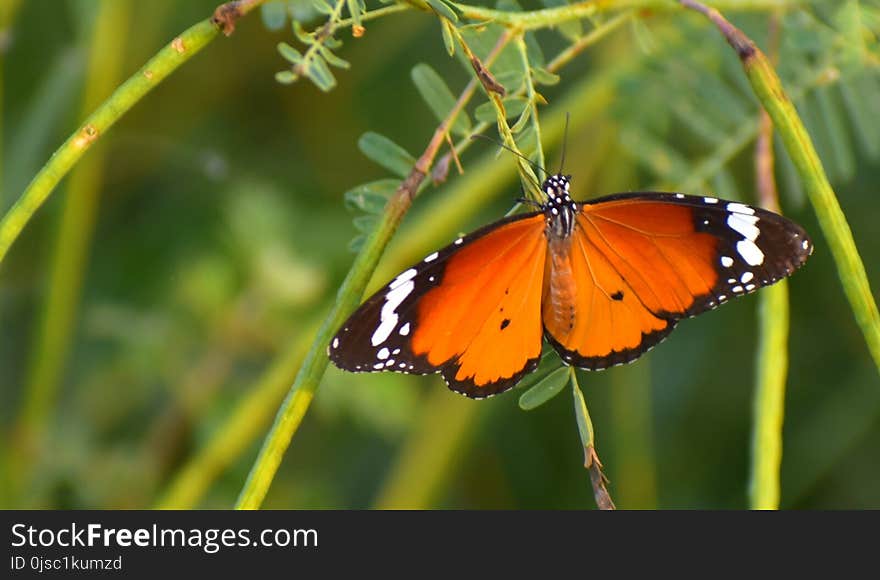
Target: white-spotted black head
{"x": 559, "y": 207}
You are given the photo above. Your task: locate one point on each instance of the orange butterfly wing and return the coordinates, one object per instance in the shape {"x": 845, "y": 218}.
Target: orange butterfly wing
{"x": 635, "y": 264}
{"x": 471, "y": 311}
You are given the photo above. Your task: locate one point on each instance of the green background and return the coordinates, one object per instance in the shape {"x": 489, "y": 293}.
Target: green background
{"x": 221, "y": 236}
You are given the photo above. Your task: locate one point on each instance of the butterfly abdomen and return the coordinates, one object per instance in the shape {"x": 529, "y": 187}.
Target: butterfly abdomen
{"x": 560, "y": 287}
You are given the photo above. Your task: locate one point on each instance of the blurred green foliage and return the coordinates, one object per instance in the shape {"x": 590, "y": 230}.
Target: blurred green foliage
{"x": 223, "y": 230}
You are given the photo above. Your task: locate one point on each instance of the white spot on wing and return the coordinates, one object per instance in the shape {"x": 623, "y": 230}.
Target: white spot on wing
{"x": 679, "y": 195}
{"x": 400, "y": 289}
{"x": 747, "y": 276}
{"x": 745, "y": 225}
{"x": 805, "y": 244}
{"x": 740, "y": 208}
{"x": 383, "y": 353}
{"x": 335, "y": 343}
{"x": 406, "y": 276}
{"x": 726, "y": 261}
{"x": 459, "y": 241}
{"x": 737, "y": 289}
{"x": 404, "y": 330}
{"x": 710, "y": 200}
{"x": 751, "y": 253}
{"x": 750, "y": 287}
{"x": 432, "y": 257}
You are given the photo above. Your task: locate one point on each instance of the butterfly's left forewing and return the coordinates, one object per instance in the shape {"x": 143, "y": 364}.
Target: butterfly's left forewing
{"x": 470, "y": 311}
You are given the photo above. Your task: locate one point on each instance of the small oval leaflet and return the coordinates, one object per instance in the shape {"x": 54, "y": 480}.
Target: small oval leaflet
{"x": 386, "y": 153}
{"x": 546, "y": 389}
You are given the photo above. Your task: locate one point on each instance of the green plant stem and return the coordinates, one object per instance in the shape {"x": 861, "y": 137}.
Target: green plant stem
{"x": 589, "y": 39}
{"x": 528, "y": 176}
{"x": 373, "y": 14}
{"x": 532, "y": 95}
{"x": 772, "y": 353}
{"x": 166, "y": 61}
{"x": 74, "y": 238}
{"x": 531, "y": 20}
{"x": 768, "y": 88}
{"x": 769, "y": 403}
{"x": 588, "y": 441}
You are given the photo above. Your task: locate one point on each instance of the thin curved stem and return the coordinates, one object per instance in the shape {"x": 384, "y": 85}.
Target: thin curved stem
{"x": 531, "y": 20}
{"x": 166, "y": 61}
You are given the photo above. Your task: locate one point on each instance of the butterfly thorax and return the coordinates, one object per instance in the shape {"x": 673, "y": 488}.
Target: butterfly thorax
{"x": 559, "y": 208}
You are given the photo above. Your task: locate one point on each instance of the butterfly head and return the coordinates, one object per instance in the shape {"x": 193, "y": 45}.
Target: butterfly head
{"x": 556, "y": 185}
{"x": 559, "y": 207}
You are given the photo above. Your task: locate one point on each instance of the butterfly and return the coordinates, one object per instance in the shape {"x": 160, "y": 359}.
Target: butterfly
{"x": 603, "y": 281}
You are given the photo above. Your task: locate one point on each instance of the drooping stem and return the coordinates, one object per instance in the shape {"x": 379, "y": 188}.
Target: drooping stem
{"x": 591, "y": 459}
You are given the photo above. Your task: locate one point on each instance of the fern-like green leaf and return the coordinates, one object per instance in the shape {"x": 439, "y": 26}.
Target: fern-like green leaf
{"x": 386, "y": 153}
{"x": 439, "y": 98}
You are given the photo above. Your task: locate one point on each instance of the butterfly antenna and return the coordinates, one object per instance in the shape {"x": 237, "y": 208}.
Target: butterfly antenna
{"x": 529, "y": 201}
{"x": 564, "y": 142}
{"x": 515, "y": 152}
